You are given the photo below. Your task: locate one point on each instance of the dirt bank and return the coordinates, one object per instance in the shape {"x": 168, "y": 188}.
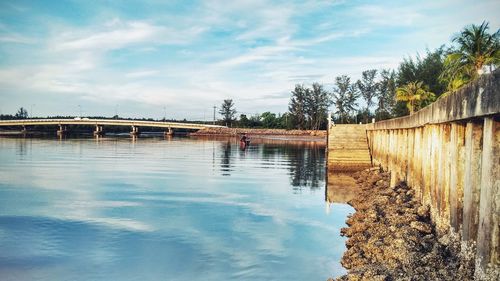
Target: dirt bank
{"x": 257, "y": 132}
{"x": 391, "y": 237}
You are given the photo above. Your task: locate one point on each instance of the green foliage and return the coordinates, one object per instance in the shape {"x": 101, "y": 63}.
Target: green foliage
{"x": 244, "y": 122}
{"x": 227, "y": 111}
{"x": 476, "y": 48}
{"x": 308, "y": 108}
{"x": 297, "y": 106}
{"x": 344, "y": 97}
{"x": 386, "y": 94}
{"x": 21, "y": 113}
{"x": 269, "y": 120}
{"x": 415, "y": 94}
{"x": 426, "y": 69}
{"x": 368, "y": 88}
{"x": 316, "y": 105}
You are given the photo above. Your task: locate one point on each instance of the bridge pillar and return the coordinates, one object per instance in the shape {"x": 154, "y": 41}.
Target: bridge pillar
{"x": 62, "y": 130}
{"x": 135, "y": 131}
{"x": 98, "y": 131}
{"x": 169, "y": 132}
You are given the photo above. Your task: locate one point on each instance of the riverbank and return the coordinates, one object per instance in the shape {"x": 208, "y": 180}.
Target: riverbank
{"x": 259, "y": 132}
{"x": 391, "y": 237}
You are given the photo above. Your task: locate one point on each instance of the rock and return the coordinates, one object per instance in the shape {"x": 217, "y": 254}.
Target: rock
{"x": 391, "y": 238}
{"x": 421, "y": 226}
{"x": 423, "y": 211}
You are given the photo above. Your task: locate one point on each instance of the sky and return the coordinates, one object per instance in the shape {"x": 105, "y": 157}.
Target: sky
{"x": 178, "y": 59}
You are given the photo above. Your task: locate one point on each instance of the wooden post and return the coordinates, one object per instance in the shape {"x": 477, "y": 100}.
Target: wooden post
{"x": 489, "y": 210}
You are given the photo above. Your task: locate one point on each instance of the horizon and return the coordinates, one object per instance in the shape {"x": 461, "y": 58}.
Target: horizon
{"x": 178, "y": 60}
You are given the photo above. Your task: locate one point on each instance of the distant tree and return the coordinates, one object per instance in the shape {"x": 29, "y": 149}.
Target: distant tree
{"x": 297, "y": 106}
{"x": 244, "y": 122}
{"x": 255, "y": 121}
{"x": 367, "y": 87}
{"x": 344, "y": 97}
{"x": 227, "y": 111}
{"x": 285, "y": 121}
{"x": 269, "y": 120}
{"x": 386, "y": 94}
{"x": 316, "y": 106}
{"x": 22, "y": 113}
{"x": 476, "y": 49}
{"x": 415, "y": 94}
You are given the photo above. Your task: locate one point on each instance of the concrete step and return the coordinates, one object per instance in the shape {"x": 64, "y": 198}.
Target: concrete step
{"x": 348, "y": 148}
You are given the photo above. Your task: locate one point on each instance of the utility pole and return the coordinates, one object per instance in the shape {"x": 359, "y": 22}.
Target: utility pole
{"x": 214, "y": 113}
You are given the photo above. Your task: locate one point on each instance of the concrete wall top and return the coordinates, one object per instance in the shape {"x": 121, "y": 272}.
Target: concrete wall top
{"x": 479, "y": 98}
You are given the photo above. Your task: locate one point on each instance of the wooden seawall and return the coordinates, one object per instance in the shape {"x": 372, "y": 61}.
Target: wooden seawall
{"x": 449, "y": 152}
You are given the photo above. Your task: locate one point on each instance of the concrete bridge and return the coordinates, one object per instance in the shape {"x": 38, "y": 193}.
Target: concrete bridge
{"x": 99, "y": 123}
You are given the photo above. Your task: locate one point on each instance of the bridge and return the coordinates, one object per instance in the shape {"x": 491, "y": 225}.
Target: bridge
{"x": 99, "y": 123}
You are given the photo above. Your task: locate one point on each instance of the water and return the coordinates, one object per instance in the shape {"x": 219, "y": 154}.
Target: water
{"x": 156, "y": 209}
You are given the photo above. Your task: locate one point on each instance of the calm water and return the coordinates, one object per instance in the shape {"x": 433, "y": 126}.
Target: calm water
{"x": 156, "y": 209}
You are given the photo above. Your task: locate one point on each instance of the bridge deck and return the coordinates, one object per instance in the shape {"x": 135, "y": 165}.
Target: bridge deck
{"x": 106, "y": 122}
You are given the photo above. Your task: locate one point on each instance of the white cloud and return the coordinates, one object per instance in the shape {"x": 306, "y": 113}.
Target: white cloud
{"x": 118, "y": 34}
{"x": 141, "y": 73}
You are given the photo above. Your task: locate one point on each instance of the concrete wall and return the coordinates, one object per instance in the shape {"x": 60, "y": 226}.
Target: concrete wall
{"x": 449, "y": 152}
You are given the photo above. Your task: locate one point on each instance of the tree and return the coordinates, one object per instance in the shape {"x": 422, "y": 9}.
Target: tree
{"x": 297, "y": 106}
{"x": 227, "y": 111}
{"x": 316, "y": 106}
{"x": 425, "y": 68}
{"x": 476, "y": 49}
{"x": 344, "y": 97}
{"x": 244, "y": 122}
{"x": 255, "y": 121}
{"x": 368, "y": 88}
{"x": 386, "y": 94}
{"x": 269, "y": 120}
{"x": 22, "y": 113}
{"x": 415, "y": 95}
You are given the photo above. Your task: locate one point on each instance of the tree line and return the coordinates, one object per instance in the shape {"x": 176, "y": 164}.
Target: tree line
{"x": 386, "y": 93}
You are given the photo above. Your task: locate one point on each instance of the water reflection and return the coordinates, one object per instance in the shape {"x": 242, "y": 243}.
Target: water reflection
{"x": 340, "y": 187}
{"x": 225, "y": 161}
{"x": 162, "y": 209}
{"x": 304, "y": 159}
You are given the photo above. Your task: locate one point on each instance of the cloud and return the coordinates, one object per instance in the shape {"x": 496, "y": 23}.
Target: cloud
{"x": 118, "y": 34}
{"x": 141, "y": 73}
{"x": 381, "y": 15}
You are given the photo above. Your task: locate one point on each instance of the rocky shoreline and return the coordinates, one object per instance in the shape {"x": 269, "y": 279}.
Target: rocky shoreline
{"x": 391, "y": 237}
{"x": 258, "y": 132}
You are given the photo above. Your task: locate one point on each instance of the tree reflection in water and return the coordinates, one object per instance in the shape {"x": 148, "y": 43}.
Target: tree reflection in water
{"x": 304, "y": 159}
{"x": 226, "y": 158}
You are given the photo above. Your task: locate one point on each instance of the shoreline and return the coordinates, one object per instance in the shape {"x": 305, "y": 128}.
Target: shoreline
{"x": 261, "y": 132}
{"x": 391, "y": 236}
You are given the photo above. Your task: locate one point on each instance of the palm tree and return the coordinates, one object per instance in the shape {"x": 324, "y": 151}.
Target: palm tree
{"x": 415, "y": 95}
{"x": 476, "y": 49}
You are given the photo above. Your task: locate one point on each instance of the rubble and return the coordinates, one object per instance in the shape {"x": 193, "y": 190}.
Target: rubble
{"x": 391, "y": 236}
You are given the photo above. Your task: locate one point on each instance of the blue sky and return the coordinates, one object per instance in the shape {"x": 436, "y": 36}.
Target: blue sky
{"x": 137, "y": 58}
